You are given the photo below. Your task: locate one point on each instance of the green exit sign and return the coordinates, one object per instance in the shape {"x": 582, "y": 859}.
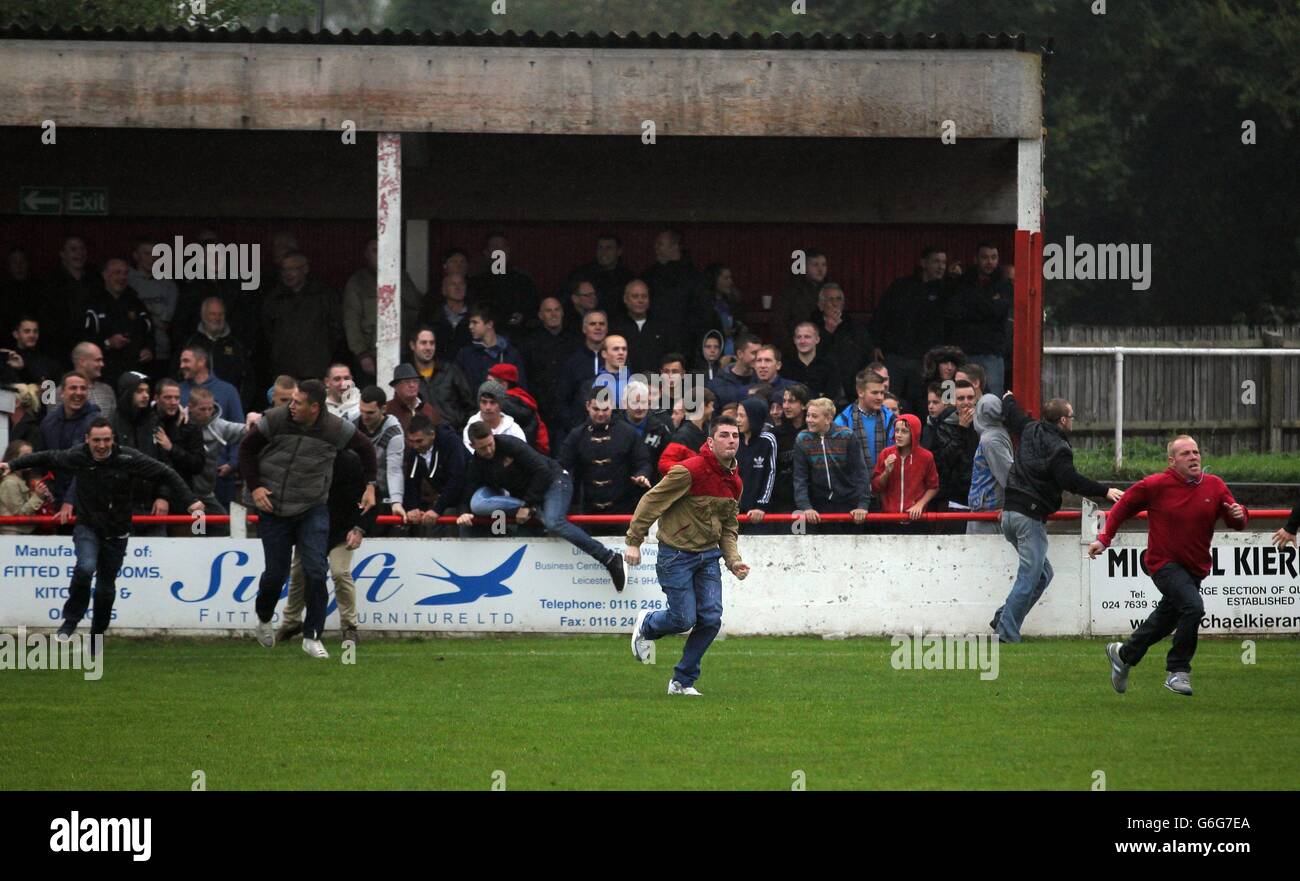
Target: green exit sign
{"x": 85, "y": 200}
{"x": 40, "y": 200}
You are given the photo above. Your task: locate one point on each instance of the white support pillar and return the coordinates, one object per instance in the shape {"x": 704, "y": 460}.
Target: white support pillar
{"x": 389, "y": 233}
{"x": 1029, "y": 185}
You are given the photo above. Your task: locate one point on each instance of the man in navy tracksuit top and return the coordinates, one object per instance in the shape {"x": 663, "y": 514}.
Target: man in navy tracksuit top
{"x": 1182, "y": 504}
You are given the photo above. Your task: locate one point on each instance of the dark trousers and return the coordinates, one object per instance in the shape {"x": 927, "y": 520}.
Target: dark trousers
{"x": 97, "y": 555}
{"x": 309, "y": 531}
{"x": 1179, "y": 612}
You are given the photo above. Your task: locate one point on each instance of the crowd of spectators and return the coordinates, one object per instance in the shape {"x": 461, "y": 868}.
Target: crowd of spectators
{"x": 614, "y": 377}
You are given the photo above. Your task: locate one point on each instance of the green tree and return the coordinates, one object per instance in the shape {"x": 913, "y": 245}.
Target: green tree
{"x": 148, "y": 13}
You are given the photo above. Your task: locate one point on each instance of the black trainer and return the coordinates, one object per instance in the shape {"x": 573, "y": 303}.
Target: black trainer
{"x": 616, "y": 571}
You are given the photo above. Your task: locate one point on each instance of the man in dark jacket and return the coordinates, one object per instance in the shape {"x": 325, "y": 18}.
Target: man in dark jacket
{"x": 63, "y": 428}
{"x": 434, "y": 463}
{"x": 583, "y": 366}
{"x": 842, "y": 341}
{"x": 486, "y": 349}
{"x": 302, "y": 321}
{"x": 545, "y": 352}
{"x": 607, "y": 274}
{"x": 106, "y": 474}
{"x": 25, "y": 362}
{"x": 607, "y": 460}
{"x": 180, "y": 444}
{"x": 505, "y": 474}
{"x": 503, "y": 287}
{"x": 117, "y": 319}
{"x": 442, "y": 383}
{"x": 976, "y": 315}
{"x": 649, "y": 337}
{"x": 955, "y": 443}
{"x": 348, "y": 526}
{"x": 134, "y": 425}
{"x": 679, "y": 291}
{"x": 287, "y": 464}
{"x": 1044, "y": 466}
{"x": 909, "y": 321}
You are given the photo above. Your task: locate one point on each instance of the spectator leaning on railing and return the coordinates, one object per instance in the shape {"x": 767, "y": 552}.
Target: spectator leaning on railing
{"x": 905, "y": 479}
{"x": 434, "y": 463}
{"x": 993, "y": 459}
{"x": 829, "y": 474}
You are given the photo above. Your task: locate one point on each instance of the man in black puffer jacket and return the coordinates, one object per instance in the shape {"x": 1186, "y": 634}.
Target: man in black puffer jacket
{"x": 609, "y": 464}
{"x": 105, "y": 476}
{"x": 1044, "y": 466}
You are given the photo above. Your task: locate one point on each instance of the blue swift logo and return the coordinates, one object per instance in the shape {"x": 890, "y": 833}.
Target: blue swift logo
{"x": 471, "y": 587}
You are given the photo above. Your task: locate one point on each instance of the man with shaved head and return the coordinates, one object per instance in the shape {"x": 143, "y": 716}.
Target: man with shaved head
{"x": 1183, "y": 504}
{"x": 117, "y": 320}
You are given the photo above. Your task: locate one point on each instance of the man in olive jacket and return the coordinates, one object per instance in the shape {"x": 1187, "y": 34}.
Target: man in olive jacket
{"x": 287, "y": 463}
{"x": 696, "y": 505}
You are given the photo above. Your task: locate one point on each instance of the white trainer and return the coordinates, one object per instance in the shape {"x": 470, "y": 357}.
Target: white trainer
{"x": 642, "y": 649}
{"x": 265, "y": 633}
{"x": 315, "y": 648}
{"x": 675, "y": 687}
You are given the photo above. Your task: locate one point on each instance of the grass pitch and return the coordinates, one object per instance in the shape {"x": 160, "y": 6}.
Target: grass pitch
{"x": 580, "y": 713}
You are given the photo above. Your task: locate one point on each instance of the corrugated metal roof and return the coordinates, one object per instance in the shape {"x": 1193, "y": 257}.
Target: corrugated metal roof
{"x": 531, "y": 39}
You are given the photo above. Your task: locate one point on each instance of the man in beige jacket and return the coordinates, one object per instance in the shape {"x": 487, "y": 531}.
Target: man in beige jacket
{"x": 696, "y": 504}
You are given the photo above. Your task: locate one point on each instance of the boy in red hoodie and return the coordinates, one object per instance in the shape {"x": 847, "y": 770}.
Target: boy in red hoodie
{"x": 906, "y": 478}
{"x": 1183, "y": 504}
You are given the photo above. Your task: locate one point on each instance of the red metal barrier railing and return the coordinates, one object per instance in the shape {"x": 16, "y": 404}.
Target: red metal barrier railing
{"x": 618, "y": 519}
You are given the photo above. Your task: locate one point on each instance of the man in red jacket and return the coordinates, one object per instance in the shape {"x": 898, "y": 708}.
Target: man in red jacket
{"x": 1183, "y": 504}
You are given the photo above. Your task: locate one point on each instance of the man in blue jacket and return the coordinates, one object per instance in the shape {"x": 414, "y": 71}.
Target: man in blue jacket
{"x": 870, "y": 420}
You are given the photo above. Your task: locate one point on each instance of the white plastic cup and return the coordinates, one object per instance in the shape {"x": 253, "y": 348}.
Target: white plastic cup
{"x": 767, "y": 301}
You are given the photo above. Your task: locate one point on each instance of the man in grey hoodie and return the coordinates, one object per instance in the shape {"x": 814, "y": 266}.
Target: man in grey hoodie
{"x": 993, "y": 458}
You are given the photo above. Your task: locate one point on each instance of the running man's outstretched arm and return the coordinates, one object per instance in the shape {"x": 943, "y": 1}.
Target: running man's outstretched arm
{"x": 1134, "y": 500}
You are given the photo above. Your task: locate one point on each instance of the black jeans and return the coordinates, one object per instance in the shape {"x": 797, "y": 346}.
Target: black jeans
{"x": 97, "y": 555}
{"x": 1179, "y": 612}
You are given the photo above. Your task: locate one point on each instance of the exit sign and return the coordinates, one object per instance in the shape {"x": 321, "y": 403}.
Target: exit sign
{"x": 85, "y": 200}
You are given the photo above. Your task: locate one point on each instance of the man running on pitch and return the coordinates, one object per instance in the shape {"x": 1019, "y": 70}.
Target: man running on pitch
{"x": 107, "y": 476}
{"x": 1182, "y": 505}
{"x": 697, "y": 504}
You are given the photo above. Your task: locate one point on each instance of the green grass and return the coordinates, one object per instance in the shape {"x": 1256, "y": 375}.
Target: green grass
{"x": 580, "y": 713}
{"x": 1142, "y": 458}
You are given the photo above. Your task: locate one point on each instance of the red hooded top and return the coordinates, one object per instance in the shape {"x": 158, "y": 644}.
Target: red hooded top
{"x": 912, "y": 476}
{"x": 509, "y": 374}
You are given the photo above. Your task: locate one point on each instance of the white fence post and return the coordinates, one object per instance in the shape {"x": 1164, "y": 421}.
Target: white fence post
{"x": 1119, "y": 410}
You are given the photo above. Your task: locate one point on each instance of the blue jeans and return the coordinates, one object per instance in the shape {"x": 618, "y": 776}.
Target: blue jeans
{"x": 1028, "y": 535}
{"x": 693, "y": 585}
{"x": 309, "y": 531}
{"x": 994, "y": 368}
{"x": 96, "y": 554}
{"x": 554, "y": 512}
